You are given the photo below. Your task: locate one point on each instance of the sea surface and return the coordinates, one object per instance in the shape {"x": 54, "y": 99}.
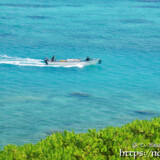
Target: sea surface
{"x": 36, "y": 100}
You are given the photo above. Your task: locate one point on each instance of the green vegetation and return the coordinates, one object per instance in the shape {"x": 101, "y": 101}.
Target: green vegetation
{"x": 103, "y": 144}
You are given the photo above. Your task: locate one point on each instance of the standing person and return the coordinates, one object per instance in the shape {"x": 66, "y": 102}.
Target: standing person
{"x": 52, "y": 59}
{"x": 87, "y": 59}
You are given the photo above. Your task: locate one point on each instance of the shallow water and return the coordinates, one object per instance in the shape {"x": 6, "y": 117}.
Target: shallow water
{"x": 36, "y": 100}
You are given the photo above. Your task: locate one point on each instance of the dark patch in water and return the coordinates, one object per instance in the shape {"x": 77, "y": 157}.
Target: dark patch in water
{"x": 5, "y": 35}
{"x": 46, "y": 102}
{"x": 136, "y": 21}
{"x": 51, "y": 95}
{"x": 144, "y": 112}
{"x": 148, "y": 6}
{"x": 157, "y": 1}
{"x": 73, "y": 5}
{"x": 53, "y": 131}
{"x": 88, "y": 36}
{"x": 79, "y": 94}
{"x": 36, "y": 5}
{"x": 28, "y": 101}
{"x": 37, "y": 17}
{"x": 27, "y": 5}
{"x": 76, "y": 121}
{"x": 5, "y": 18}
{"x": 2, "y": 105}
{"x": 67, "y": 123}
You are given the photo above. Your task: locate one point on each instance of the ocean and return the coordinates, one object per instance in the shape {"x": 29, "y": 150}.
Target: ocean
{"x": 36, "y": 100}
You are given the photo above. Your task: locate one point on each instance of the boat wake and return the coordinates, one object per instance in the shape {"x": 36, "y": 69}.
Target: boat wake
{"x": 4, "y": 59}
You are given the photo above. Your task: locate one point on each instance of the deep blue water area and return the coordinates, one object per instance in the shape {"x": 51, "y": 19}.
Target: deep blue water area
{"x": 36, "y": 99}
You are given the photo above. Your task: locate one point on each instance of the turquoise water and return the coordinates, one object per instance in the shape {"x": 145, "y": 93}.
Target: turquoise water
{"x": 36, "y": 100}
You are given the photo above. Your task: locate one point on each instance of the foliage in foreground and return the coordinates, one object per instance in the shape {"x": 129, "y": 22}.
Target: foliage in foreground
{"x": 103, "y": 144}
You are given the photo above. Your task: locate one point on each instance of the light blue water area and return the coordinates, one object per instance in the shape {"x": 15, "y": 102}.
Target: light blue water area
{"x": 36, "y": 100}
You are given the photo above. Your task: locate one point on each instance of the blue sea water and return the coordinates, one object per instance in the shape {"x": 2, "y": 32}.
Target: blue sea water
{"x": 36, "y": 100}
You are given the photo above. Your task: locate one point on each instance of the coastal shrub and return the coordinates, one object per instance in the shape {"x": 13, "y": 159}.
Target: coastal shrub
{"x": 137, "y": 140}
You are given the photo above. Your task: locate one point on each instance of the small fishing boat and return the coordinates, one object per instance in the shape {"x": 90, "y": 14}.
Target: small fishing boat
{"x": 72, "y": 62}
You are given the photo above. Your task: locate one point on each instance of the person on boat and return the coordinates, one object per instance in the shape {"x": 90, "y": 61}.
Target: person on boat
{"x": 87, "y": 59}
{"x": 52, "y": 59}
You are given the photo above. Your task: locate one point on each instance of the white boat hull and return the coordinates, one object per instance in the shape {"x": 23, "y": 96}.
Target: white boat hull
{"x": 72, "y": 63}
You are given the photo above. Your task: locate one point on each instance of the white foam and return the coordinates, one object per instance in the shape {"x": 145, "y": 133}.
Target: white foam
{"x": 4, "y": 59}
{"x": 4, "y": 56}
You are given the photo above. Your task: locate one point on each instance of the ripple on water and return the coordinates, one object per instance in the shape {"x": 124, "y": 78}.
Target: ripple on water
{"x": 136, "y": 21}
{"x": 38, "y": 5}
{"x": 6, "y": 35}
{"x": 27, "y": 5}
{"x": 38, "y": 17}
{"x": 148, "y": 6}
{"x": 145, "y": 112}
{"x": 79, "y": 94}
{"x": 157, "y": 1}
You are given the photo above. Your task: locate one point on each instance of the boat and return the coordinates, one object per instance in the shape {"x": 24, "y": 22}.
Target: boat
{"x": 72, "y": 62}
